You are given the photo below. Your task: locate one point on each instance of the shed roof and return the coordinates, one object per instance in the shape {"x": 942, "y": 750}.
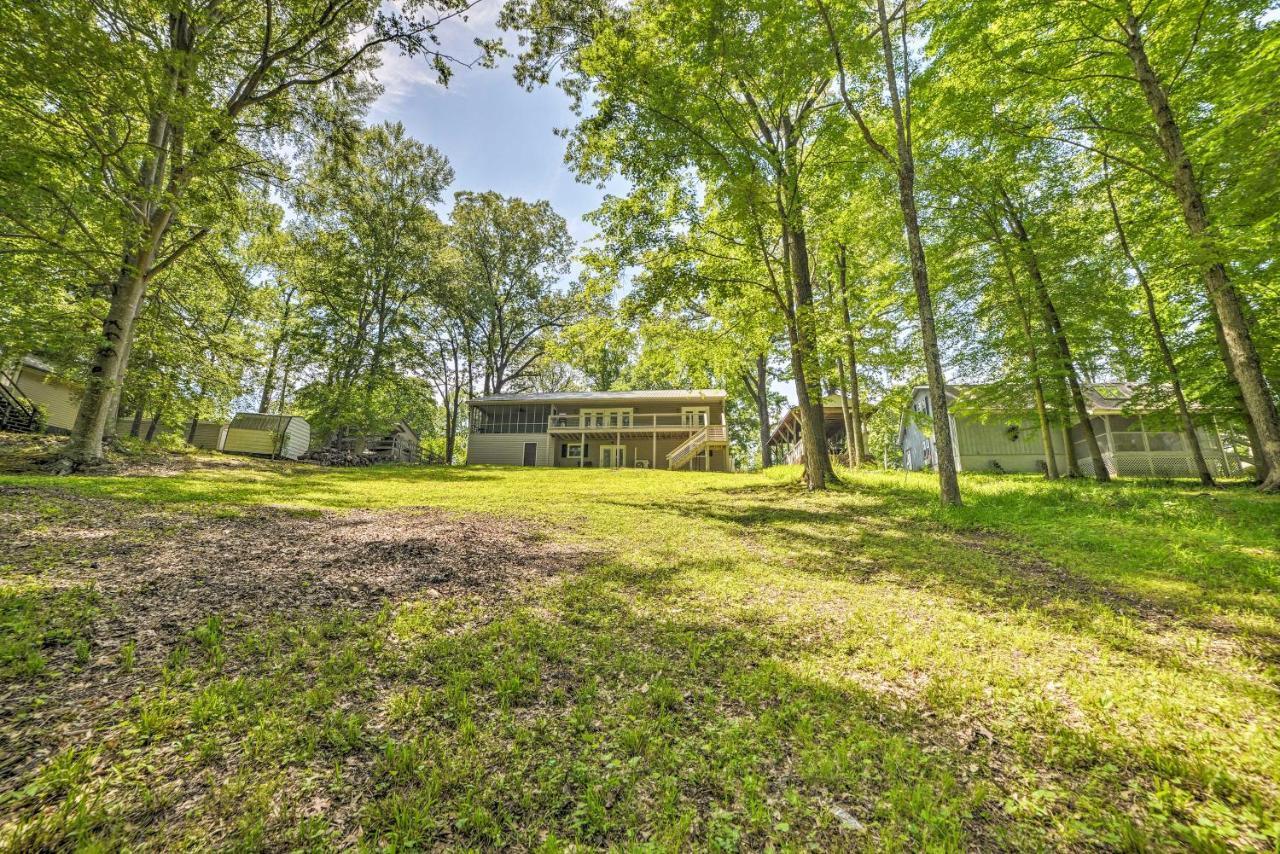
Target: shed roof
{"x": 258, "y": 421}
{"x": 603, "y": 396}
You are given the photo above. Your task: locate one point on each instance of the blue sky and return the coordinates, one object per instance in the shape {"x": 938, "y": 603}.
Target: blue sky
{"x": 497, "y": 136}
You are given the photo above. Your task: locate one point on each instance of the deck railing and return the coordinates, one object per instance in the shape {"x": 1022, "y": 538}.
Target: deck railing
{"x": 712, "y": 435}
{"x": 626, "y": 421}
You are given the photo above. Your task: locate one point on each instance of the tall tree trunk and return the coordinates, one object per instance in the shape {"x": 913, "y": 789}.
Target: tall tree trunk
{"x": 155, "y": 424}
{"x": 1064, "y": 421}
{"x": 803, "y": 333}
{"x": 1054, "y": 323}
{"x": 104, "y": 371}
{"x": 450, "y": 427}
{"x": 948, "y": 482}
{"x": 1170, "y": 364}
{"x": 1037, "y": 391}
{"x": 268, "y": 384}
{"x": 758, "y": 388}
{"x": 117, "y": 390}
{"x": 1260, "y": 469}
{"x": 135, "y": 429}
{"x": 1033, "y": 355}
{"x": 855, "y": 404}
{"x": 1226, "y": 300}
{"x": 165, "y": 140}
{"x": 850, "y": 443}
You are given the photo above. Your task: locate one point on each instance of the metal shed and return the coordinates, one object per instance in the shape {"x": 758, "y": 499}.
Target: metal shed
{"x": 285, "y": 436}
{"x": 209, "y": 435}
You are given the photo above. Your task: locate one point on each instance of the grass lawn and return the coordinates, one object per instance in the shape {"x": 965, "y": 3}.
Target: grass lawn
{"x": 547, "y": 659}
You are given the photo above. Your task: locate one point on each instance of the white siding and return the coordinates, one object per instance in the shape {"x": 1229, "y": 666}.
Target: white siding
{"x": 506, "y": 449}
{"x": 297, "y": 439}
{"x": 913, "y": 439}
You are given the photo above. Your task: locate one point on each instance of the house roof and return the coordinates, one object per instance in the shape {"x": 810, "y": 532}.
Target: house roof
{"x": 32, "y": 362}
{"x": 404, "y": 425}
{"x": 832, "y": 410}
{"x": 603, "y": 396}
{"x": 1099, "y": 398}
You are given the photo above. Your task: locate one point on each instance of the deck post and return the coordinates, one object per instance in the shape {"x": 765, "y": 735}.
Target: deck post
{"x": 653, "y": 458}
{"x": 1222, "y": 448}
{"x": 1146, "y": 444}
{"x": 582, "y": 447}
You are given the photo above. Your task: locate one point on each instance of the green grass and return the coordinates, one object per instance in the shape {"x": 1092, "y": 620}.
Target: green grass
{"x": 741, "y": 665}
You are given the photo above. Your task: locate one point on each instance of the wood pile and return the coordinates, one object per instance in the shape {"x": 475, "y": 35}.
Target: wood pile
{"x": 330, "y": 456}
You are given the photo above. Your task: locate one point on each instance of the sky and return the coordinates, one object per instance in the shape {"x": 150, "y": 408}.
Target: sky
{"x": 496, "y": 135}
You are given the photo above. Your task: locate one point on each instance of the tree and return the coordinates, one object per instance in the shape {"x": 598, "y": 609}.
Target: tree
{"x": 178, "y": 105}
{"x": 368, "y": 261}
{"x": 902, "y": 161}
{"x": 512, "y": 255}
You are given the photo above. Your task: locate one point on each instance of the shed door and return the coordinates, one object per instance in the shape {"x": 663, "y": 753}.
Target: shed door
{"x": 531, "y": 453}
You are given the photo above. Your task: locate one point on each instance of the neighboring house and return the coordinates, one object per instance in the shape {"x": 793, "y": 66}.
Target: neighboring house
{"x": 1133, "y": 442}
{"x": 33, "y": 383}
{"x": 285, "y": 436}
{"x": 616, "y": 429}
{"x": 785, "y": 440}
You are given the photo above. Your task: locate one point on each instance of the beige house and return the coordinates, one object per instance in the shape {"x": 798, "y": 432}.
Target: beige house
{"x": 33, "y": 383}
{"x": 666, "y": 429}
{"x": 1133, "y": 442}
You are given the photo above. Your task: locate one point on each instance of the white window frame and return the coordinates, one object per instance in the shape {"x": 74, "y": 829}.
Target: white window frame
{"x": 609, "y": 419}
{"x": 607, "y": 448}
{"x": 689, "y": 416}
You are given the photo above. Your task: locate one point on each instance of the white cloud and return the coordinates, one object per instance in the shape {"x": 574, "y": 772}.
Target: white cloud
{"x": 403, "y": 76}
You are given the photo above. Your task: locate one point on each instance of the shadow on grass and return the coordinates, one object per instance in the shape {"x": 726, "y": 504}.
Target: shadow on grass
{"x": 632, "y": 703}
{"x": 1079, "y": 550}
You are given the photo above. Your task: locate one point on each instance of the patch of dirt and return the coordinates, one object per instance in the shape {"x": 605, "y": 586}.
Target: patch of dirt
{"x": 158, "y": 575}
{"x": 27, "y": 453}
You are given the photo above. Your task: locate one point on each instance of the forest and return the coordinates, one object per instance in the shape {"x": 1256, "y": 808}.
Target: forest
{"x": 832, "y": 198}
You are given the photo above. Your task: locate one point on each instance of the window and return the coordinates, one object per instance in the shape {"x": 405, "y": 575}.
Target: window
{"x": 1165, "y": 441}
{"x": 573, "y": 452}
{"x": 510, "y": 418}
{"x": 695, "y": 416}
{"x": 607, "y": 418}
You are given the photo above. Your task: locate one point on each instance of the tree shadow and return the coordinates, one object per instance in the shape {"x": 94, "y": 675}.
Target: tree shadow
{"x": 989, "y": 571}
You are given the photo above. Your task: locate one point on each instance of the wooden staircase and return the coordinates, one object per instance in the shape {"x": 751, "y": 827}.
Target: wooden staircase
{"x": 17, "y": 415}
{"x": 714, "y": 435}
